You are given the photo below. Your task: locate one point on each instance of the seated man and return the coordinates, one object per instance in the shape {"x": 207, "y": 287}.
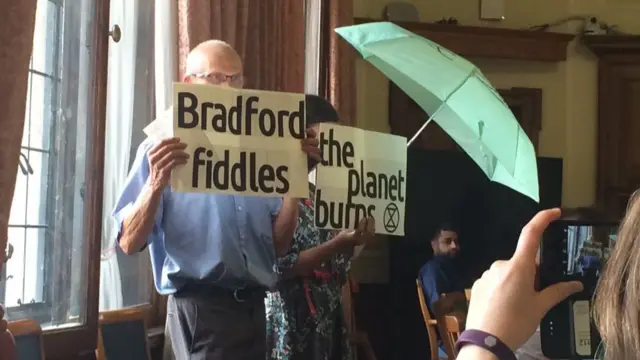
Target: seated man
{"x": 439, "y": 276}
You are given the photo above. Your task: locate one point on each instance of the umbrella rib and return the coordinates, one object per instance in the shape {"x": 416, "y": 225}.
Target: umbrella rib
{"x": 444, "y": 102}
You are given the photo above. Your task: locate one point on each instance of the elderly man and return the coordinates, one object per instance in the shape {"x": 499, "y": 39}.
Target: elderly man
{"x": 213, "y": 254}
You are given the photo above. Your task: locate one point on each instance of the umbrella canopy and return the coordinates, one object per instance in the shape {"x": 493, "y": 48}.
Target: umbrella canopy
{"x": 457, "y": 96}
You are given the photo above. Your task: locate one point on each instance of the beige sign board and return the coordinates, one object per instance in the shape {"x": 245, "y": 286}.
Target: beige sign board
{"x": 363, "y": 174}
{"x": 242, "y": 142}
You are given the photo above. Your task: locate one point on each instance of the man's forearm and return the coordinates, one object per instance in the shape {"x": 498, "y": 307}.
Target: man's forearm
{"x": 138, "y": 224}
{"x": 284, "y": 225}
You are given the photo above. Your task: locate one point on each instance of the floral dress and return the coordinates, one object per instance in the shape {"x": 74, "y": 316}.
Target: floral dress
{"x": 305, "y": 319}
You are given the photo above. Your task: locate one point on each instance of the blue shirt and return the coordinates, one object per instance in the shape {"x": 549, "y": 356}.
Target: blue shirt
{"x": 439, "y": 276}
{"x": 223, "y": 240}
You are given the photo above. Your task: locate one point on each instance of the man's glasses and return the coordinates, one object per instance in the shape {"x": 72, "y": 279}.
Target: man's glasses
{"x": 216, "y": 78}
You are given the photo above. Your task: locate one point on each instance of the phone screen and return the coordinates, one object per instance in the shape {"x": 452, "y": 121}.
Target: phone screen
{"x": 587, "y": 249}
{"x": 573, "y": 251}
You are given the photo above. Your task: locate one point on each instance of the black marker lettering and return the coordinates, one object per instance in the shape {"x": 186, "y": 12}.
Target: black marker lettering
{"x": 184, "y": 109}
{"x": 245, "y": 174}
{"x": 266, "y": 176}
{"x": 371, "y": 210}
{"x": 219, "y": 120}
{"x": 267, "y": 122}
{"x": 353, "y": 184}
{"x": 393, "y": 188}
{"x": 347, "y": 154}
{"x": 197, "y": 162}
{"x": 239, "y": 118}
{"x": 249, "y": 112}
{"x": 221, "y": 172}
{"x": 281, "y": 175}
{"x": 362, "y": 184}
{"x": 235, "y": 118}
{"x": 206, "y": 107}
{"x": 238, "y": 173}
{"x": 334, "y": 144}
{"x": 297, "y": 123}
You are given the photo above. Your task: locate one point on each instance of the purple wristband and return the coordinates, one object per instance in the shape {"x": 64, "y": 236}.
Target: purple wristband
{"x": 487, "y": 342}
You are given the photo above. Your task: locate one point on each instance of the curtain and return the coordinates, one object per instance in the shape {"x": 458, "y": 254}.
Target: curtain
{"x": 166, "y": 72}
{"x": 341, "y": 70}
{"x": 166, "y": 52}
{"x": 268, "y": 34}
{"x": 16, "y": 37}
{"x": 126, "y": 280}
{"x": 17, "y": 19}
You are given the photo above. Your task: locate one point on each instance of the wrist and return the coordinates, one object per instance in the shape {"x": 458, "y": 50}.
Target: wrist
{"x": 154, "y": 188}
{"x": 344, "y": 239}
{"x": 473, "y": 352}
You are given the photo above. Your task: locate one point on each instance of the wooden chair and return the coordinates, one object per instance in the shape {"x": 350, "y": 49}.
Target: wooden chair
{"x": 358, "y": 339}
{"x": 430, "y": 323}
{"x": 122, "y": 334}
{"x": 451, "y": 314}
{"x": 28, "y": 336}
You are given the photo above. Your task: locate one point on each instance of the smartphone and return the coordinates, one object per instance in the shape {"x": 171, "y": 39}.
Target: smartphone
{"x": 573, "y": 250}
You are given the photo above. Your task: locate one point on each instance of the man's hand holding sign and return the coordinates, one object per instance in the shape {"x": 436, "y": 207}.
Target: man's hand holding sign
{"x": 163, "y": 158}
{"x": 362, "y": 175}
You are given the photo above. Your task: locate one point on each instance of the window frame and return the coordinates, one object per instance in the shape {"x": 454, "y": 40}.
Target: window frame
{"x": 81, "y": 340}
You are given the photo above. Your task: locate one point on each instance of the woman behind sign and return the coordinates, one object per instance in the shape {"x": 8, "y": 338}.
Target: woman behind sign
{"x": 305, "y": 319}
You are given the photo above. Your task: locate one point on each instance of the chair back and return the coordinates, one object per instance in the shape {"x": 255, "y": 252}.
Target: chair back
{"x": 358, "y": 339}
{"x": 122, "y": 334}
{"x": 28, "y": 336}
{"x": 430, "y": 323}
{"x": 451, "y": 313}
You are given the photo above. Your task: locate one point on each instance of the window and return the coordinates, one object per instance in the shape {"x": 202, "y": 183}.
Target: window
{"x": 46, "y": 276}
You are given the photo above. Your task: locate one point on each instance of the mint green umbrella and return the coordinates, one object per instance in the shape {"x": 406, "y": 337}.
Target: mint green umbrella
{"x": 457, "y": 96}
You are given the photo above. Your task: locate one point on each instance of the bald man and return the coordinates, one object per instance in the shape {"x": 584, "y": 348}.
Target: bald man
{"x": 212, "y": 254}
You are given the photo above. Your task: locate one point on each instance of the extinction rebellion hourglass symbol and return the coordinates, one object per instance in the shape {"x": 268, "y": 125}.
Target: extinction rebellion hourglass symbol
{"x": 391, "y": 218}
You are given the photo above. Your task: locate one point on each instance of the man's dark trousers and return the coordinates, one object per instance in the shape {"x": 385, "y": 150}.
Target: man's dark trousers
{"x": 209, "y": 323}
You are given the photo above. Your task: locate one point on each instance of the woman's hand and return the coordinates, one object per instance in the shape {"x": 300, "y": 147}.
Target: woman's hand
{"x": 504, "y": 302}
{"x": 365, "y": 231}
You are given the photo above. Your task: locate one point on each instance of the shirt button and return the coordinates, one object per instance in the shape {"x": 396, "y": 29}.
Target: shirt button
{"x": 239, "y": 208}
